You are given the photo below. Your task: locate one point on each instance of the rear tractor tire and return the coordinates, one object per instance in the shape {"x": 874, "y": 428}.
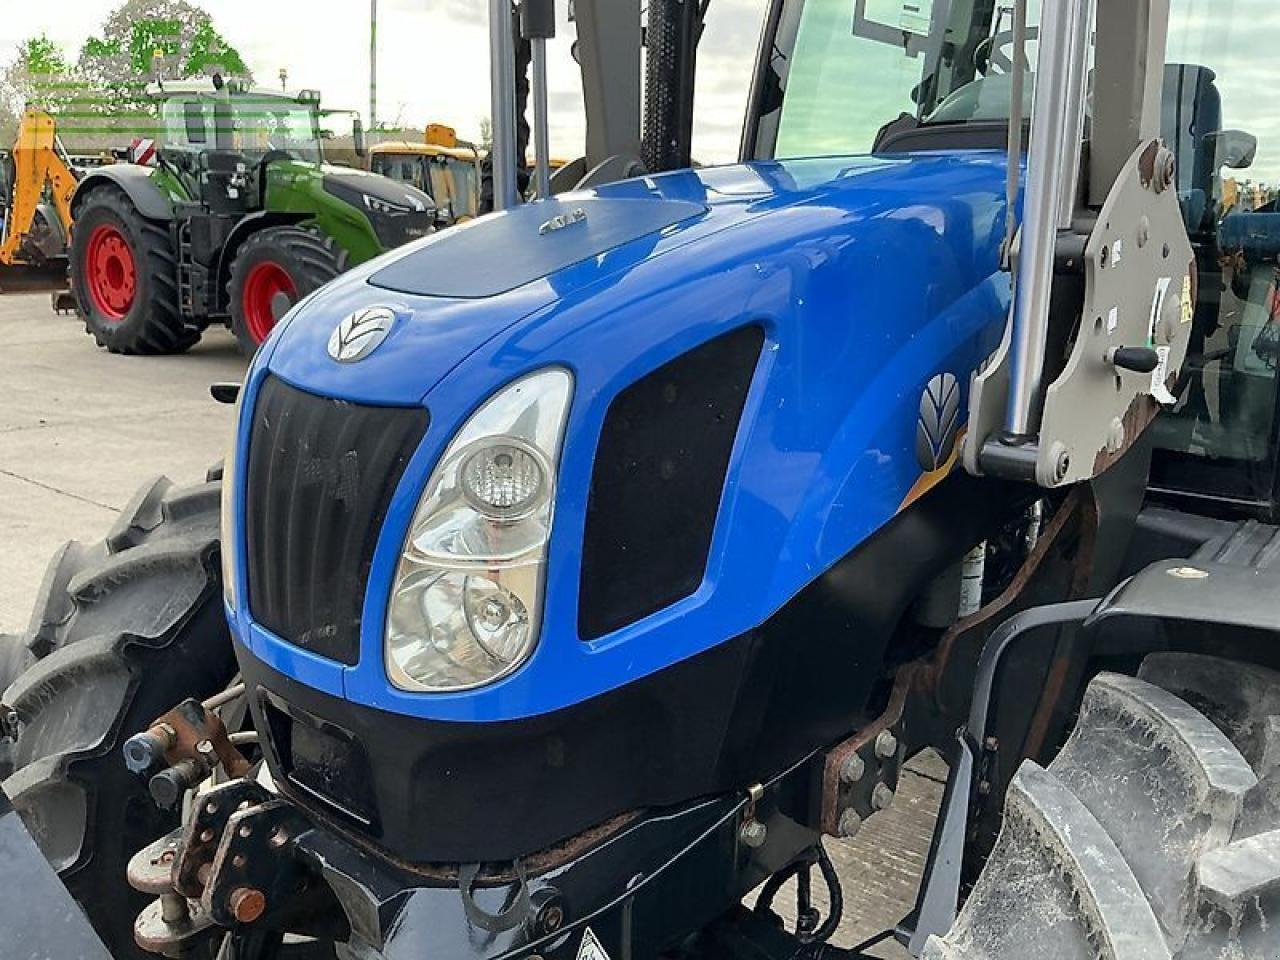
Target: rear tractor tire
{"x": 122, "y": 631}
{"x": 124, "y": 272}
{"x": 1153, "y": 835}
{"x": 272, "y": 270}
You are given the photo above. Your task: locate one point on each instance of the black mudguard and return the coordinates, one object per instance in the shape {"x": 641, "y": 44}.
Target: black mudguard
{"x": 39, "y": 917}
{"x": 137, "y": 184}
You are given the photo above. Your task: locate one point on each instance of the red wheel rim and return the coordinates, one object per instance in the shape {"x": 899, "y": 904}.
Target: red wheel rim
{"x": 110, "y": 272}
{"x": 264, "y": 283}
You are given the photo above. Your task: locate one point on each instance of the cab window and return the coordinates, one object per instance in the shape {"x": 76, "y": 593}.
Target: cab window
{"x": 1220, "y": 438}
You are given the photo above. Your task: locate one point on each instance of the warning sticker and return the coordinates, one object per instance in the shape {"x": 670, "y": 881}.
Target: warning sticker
{"x": 591, "y": 948}
{"x": 1188, "y": 308}
{"x": 1157, "y": 306}
{"x": 1159, "y": 379}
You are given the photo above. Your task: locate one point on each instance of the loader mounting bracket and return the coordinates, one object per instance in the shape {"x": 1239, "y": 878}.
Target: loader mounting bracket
{"x": 1139, "y": 293}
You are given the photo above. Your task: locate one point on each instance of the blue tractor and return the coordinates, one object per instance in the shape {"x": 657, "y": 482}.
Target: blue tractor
{"x": 578, "y": 592}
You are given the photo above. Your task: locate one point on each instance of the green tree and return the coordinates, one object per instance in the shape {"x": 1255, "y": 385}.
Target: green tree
{"x": 39, "y": 74}
{"x": 145, "y": 40}
{"x": 148, "y": 39}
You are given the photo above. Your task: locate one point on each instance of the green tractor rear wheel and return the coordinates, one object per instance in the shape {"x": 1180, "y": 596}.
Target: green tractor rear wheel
{"x": 273, "y": 270}
{"x": 125, "y": 276}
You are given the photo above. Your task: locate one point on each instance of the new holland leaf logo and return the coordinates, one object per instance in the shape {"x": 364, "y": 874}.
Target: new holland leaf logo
{"x": 360, "y": 333}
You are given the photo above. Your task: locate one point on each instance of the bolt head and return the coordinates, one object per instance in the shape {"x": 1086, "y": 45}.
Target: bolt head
{"x": 850, "y": 823}
{"x": 549, "y": 911}
{"x": 247, "y": 904}
{"x": 1166, "y": 170}
{"x": 881, "y": 796}
{"x": 852, "y": 769}
{"x": 886, "y": 744}
{"x": 753, "y": 834}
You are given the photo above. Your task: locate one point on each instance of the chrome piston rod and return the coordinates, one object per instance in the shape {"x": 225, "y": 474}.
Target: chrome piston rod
{"x": 1052, "y": 172}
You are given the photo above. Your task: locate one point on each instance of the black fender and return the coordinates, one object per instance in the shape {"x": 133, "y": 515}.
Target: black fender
{"x": 239, "y": 234}
{"x": 135, "y": 181}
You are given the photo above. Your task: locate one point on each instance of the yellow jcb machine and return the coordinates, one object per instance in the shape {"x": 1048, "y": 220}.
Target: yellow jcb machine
{"x": 36, "y": 183}
{"x": 441, "y": 165}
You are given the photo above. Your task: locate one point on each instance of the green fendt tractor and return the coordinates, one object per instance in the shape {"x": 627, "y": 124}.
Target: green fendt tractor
{"x": 234, "y": 219}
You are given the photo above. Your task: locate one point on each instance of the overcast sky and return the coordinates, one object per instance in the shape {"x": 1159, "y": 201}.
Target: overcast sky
{"x": 432, "y": 58}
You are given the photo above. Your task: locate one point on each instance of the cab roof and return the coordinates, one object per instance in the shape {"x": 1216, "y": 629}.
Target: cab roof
{"x": 423, "y": 149}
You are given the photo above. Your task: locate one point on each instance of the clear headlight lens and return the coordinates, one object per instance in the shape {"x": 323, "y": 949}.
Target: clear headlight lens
{"x": 466, "y": 603}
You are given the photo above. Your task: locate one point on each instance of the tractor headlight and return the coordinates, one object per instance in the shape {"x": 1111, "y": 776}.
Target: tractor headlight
{"x": 466, "y": 603}
{"x": 392, "y": 209}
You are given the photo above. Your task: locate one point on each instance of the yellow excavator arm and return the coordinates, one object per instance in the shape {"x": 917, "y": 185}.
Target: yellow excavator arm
{"x": 38, "y": 160}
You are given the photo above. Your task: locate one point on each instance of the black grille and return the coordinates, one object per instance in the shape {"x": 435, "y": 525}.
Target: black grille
{"x": 656, "y": 485}
{"x": 320, "y": 475}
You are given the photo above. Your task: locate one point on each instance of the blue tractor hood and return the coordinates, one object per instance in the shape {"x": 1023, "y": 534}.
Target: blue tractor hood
{"x": 866, "y": 280}
{"x": 456, "y": 290}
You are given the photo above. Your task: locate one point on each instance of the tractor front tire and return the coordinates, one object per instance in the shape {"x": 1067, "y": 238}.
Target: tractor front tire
{"x": 274, "y": 269}
{"x": 123, "y": 630}
{"x": 124, "y": 272}
{"x": 1153, "y": 835}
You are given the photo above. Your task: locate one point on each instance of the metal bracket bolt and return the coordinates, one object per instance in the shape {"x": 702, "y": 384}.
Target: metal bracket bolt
{"x": 850, "y": 823}
{"x": 881, "y": 796}
{"x": 753, "y": 834}
{"x": 548, "y": 914}
{"x": 853, "y": 769}
{"x": 247, "y": 904}
{"x": 886, "y": 744}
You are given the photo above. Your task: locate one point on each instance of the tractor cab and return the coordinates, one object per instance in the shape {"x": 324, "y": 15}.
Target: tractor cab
{"x": 442, "y": 166}
{"x": 219, "y": 138}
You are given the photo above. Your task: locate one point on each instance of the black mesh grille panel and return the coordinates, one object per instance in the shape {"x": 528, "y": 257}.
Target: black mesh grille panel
{"x": 320, "y": 475}
{"x": 656, "y": 485}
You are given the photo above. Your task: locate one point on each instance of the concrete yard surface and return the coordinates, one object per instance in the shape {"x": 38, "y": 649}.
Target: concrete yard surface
{"x": 82, "y": 429}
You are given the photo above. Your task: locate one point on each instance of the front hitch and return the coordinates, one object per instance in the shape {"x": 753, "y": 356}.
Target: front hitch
{"x": 232, "y": 864}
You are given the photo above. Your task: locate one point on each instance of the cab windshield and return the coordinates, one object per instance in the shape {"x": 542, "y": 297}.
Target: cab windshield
{"x": 453, "y": 183}
{"x": 449, "y": 181}
{"x": 253, "y": 126}
{"x": 844, "y": 70}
